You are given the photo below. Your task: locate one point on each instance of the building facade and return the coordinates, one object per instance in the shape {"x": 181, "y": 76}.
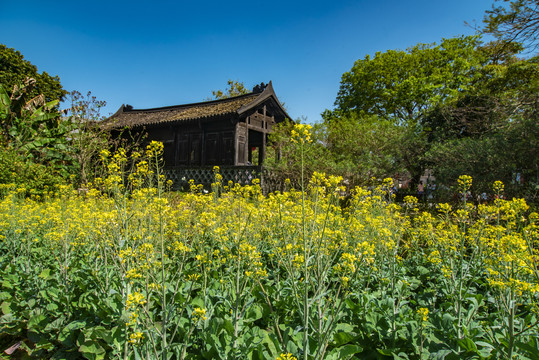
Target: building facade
{"x": 225, "y": 132}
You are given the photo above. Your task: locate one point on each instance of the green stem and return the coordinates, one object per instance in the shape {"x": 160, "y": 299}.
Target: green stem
{"x": 305, "y": 265}
{"x": 511, "y": 322}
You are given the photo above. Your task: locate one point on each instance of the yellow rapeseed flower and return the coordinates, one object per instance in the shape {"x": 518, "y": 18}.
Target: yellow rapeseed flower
{"x": 287, "y": 356}
{"x": 423, "y": 314}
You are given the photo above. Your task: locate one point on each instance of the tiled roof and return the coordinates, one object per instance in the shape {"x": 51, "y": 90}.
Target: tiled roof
{"x": 139, "y": 117}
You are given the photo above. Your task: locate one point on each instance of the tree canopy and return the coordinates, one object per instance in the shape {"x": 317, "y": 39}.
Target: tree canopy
{"x": 458, "y": 107}
{"x": 403, "y": 85}
{"x": 383, "y": 101}
{"x": 14, "y": 70}
{"x": 235, "y": 88}
{"x": 514, "y": 21}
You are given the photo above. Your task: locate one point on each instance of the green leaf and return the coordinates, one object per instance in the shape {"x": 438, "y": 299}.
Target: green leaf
{"x": 253, "y": 313}
{"x": 198, "y": 301}
{"x": 346, "y": 352}
{"x": 387, "y": 352}
{"x": 6, "y": 308}
{"x": 400, "y": 356}
{"x": 6, "y": 284}
{"x": 4, "y": 295}
{"x": 45, "y": 274}
{"x": 36, "y": 322}
{"x": 68, "y": 333}
{"x": 98, "y": 333}
{"x": 44, "y": 344}
{"x": 468, "y": 344}
{"x": 485, "y": 350}
{"x": 52, "y": 307}
{"x": 92, "y": 350}
{"x": 530, "y": 347}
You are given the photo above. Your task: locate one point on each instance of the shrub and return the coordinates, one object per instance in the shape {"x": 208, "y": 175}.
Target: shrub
{"x": 37, "y": 178}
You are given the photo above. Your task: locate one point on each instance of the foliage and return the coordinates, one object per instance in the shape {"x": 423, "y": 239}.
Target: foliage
{"x": 482, "y": 158}
{"x": 285, "y": 161}
{"x": 33, "y": 128}
{"x": 30, "y": 178}
{"x": 87, "y": 137}
{"x": 385, "y": 100}
{"x": 364, "y": 147}
{"x": 131, "y": 271}
{"x": 235, "y": 88}
{"x": 14, "y": 70}
{"x": 68, "y": 142}
{"x": 439, "y": 107}
{"x": 514, "y": 21}
{"x": 507, "y": 91}
{"x": 492, "y": 133}
{"x": 403, "y": 85}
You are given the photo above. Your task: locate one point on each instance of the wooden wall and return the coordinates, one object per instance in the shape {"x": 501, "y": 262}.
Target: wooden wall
{"x": 221, "y": 141}
{"x": 196, "y": 144}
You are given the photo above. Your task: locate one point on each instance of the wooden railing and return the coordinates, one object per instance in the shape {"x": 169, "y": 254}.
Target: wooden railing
{"x": 270, "y": 181}
{"x": 205, "y": 175}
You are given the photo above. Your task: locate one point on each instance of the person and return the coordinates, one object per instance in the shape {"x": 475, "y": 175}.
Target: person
{"x": 420, "y": 190}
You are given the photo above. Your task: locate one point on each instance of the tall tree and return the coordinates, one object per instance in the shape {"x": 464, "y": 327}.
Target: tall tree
{"x": 491, "y": 133}
{"x": 404, "y": 85}
{"x": 514, "y": 21}
{"x": 14, "y": 70}
{"x": 392, "y": 93}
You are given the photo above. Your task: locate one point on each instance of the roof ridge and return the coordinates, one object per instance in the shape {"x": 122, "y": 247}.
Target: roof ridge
{"x": 201, "y": 103}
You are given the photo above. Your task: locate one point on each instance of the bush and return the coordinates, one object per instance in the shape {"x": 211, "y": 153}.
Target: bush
{"x": 37, "y": 178}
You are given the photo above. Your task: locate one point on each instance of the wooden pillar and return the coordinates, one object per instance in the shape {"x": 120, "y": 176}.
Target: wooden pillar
{"x": 242, "y": 144}
{"x": 262, "y": 151}
{"x": 247, "y": 146}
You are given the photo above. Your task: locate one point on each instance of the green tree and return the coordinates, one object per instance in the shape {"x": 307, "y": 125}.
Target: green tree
{"x": 283, "y": 156}
{"x": 384, "y": 100}
{"x": 363, "y": 147}
{"x": 235, "y": 88}
{"x": 506, "y": 90}
{"x": 514, "y": 21}
{"x": 86, "y": 138}
{"x": 491, "y": 133}
{"x": 459, "y": 107}
{"x": 404, "y": 85}
{"x": 34, "y": 151}
{"x": 15, "y": 70}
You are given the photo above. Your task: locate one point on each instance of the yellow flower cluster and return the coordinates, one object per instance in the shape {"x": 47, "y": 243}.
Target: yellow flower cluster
{"x": 148, "y": 242}
{"x": 287, "y": 356}
{"x": 199, "y": 314}
{"x": 301, "y": 133}
{"x": 154, "y": 149}
{"x": 135, "y": 299}
{"x": 464, "y": 183}
{"x": 136, "y": 337}
{"x": 409, "y": 199}
{"x": 423, "y": 314}
{"x": 498, "y": 187}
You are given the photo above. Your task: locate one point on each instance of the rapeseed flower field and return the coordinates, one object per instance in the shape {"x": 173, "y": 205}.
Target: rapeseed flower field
{"x": 129, "y": 270}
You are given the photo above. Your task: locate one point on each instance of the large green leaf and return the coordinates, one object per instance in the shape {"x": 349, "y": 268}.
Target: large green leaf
{"x": 92, "y": 350}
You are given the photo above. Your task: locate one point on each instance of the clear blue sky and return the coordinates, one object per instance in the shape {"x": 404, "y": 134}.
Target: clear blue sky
{"x": 160, "y": 53}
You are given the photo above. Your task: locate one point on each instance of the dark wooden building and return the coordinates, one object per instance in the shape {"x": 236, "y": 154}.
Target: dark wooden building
{"x": 219, "y": 132}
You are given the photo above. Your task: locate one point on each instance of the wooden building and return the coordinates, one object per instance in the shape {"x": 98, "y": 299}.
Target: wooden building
{"x": 218, "y": 132}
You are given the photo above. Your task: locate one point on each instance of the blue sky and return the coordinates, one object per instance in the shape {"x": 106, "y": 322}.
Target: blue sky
{"x": 151, "y": 54}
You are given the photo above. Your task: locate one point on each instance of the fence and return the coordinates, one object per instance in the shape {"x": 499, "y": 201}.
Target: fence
{"x": 204, "y": 175}
{"x": 270, "y": 181}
